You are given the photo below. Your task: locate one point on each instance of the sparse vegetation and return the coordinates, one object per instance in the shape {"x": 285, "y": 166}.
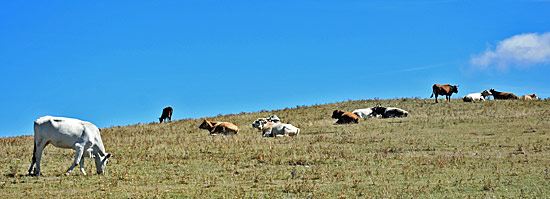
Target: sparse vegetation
{"x": 458, "y": 150}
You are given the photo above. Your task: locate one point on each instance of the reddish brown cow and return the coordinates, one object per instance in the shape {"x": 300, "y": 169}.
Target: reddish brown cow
{"x": 219, "y": 127}
{"x": 446, "y": 90}
{"x": 503, "y": 96}
{"x": 345, "y": 117}
{"x": 166, "y": 113}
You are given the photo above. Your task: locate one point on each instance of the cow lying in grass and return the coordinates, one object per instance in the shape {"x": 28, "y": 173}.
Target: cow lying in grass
{"x": 69, "y": 133}
{"x": 365, "y": 113}
{"x": 504, "y": 96}
{"x": 476, "y": 97}
{"x": 345, "y": 117}
{"x": 270, "y": 129}
{"x": 214, "y": 128}
{"x": 272, "y": 118}
{"x": 389, "y": 112}
{"x": 530, "y": 97}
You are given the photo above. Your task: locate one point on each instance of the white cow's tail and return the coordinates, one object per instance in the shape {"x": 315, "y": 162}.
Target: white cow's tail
{"x": 34, "y": 153}
{"x": 33, "y": 159}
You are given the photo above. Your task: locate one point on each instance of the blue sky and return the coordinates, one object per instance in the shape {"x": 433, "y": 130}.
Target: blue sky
{"x": 120, "y": 62}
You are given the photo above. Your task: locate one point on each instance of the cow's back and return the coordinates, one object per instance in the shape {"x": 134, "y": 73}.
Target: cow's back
{"x": 65, "y": 132}
{"x": 441, "y": 89}
{"x": 363, "y": 113}
{"x": 349, "y": 117}
{"x": 473, "y": 97}
{"x": 167, "y": 112}
{"x": 228, "y": 126}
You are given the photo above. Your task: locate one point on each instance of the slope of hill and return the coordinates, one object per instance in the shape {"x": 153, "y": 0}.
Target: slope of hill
{"x": 495, "y": 148}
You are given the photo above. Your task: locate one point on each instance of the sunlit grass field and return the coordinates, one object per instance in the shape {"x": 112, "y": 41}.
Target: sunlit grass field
{"x": 492, "y": 149}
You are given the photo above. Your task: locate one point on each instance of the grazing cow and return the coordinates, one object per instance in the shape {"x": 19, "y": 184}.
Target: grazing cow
{"x": 166, "y": 113}
{"x": 345, "y": 117}
{"x": 270, "y": 129}
{"x": 503, "y": 96}
{"x": 389, "y": 112}
{"x": 474, "y": 97}
{"x": 446, "y": 90}
{"x": 69, "y": 133}
{"x": 219, "y": 127}
{"x": 365, "y": 113}
{"x": 530, "y": 97}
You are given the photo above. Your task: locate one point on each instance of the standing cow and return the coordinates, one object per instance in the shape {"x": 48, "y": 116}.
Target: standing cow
{"x": 503, "y": 96}
{"x": 446, "y": 90}
{"x": 166, "y": 114}
{"x": 69, "y": 133}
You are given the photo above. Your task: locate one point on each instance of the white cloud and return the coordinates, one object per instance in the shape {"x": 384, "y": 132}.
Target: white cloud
{"x": 522, "y": 50}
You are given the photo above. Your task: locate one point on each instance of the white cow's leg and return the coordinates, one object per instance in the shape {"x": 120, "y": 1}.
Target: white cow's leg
{"x": 267, "y": 132}
{"x": 77, "y": 156}
{"x": 32, "y": 164}
{"x": 82, "y": 166}
{"x": 38, "y": 156}
{"x": 286, "y": 131}
{"x": 33, "y": 160}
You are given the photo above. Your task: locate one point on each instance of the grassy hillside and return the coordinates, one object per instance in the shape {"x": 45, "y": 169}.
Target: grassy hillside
{"x": 492, "y": 149}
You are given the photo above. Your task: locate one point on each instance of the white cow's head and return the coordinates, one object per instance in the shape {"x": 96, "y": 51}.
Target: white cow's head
{"x": 101, "y": 162}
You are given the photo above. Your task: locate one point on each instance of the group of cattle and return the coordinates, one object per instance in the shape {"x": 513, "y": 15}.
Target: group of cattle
{"x": 448, "y": 90}
{"x": 270, "y": 127}
{"x": 85, "y": 137}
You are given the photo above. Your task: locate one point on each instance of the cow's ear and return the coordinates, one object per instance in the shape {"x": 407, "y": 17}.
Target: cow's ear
{"x": 109, "y": 155}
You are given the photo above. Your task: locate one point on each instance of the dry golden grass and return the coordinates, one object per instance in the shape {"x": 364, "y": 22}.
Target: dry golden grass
{"x": 458, "y": 150}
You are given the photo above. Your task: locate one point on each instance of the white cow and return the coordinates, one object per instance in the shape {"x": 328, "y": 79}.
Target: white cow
{"x": 69, "y": 133}
{"x": 365, "y": 113}
{"x": 474, "y": 97}
{"x": 270, "y": 129}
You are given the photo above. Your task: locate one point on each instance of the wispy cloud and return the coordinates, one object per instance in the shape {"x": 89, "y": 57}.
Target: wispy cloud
{"x": 421, "y": 68}
{"x": 522, "y": 50}
{"x": 405, "y": 69}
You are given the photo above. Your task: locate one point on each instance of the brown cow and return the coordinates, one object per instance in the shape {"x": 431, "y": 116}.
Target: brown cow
{"x": 530, "y": 97}
{"x": 345, "y": 117}
{"x": 219, "y": 127}
{"x": 503, "y": 96}
{"x": 446, "y": 90}
{"x": 166, "y": 113}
